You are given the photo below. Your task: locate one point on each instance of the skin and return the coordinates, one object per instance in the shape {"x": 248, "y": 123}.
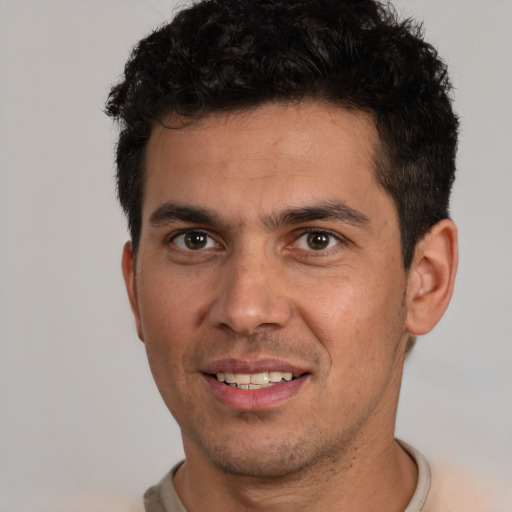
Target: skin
{"x": 258, "y": 289}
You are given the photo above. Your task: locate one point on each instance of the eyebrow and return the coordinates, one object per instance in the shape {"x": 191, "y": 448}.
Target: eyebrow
{"x": 334, "y": 210}
{"x": 171, "y": 212}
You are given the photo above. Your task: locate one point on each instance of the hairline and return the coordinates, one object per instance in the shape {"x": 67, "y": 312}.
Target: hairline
{"x": 381, "y": 158}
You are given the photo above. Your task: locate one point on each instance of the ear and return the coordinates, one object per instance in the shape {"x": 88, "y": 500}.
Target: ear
{"x": 130, "y": 281}
{"x": 431, "y": 277}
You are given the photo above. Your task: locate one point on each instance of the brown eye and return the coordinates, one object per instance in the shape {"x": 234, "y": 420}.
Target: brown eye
{"x": 318, "y": 241}
{"x": 194, "y": 241}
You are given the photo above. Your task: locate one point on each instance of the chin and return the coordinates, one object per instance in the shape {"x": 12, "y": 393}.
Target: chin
{"x": 271, "y": 459}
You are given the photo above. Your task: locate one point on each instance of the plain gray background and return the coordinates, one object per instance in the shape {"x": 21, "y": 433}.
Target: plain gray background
{"x": 82, "y": 427}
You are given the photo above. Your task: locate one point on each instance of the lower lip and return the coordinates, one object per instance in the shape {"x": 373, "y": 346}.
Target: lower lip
{"x": 254, "y": 399}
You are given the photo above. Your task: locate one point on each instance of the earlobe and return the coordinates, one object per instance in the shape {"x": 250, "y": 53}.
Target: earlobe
{"x": 130, "y": 281}
{"x": 431, "y": 277}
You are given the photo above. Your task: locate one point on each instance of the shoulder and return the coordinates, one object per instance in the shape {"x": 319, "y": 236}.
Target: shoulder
{"x": 163, "y": 497}
{"x": 445, "y": 487}
{"x": 454, "y": 489}
{"x": 152, "y": 500}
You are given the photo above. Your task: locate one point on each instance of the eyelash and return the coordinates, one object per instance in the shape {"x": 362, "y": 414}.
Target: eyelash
{"x": 171, "y": 239}
{"x": 339, "y": 239}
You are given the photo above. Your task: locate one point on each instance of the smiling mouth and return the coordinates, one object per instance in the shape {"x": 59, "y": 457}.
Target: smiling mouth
{"x": 254, "y": 380}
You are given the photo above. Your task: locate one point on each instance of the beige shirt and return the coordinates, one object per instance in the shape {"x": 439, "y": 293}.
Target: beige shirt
{"x": 163, "y": 497}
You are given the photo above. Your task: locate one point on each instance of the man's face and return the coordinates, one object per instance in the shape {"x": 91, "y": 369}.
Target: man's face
{"x": 269, "y": 251}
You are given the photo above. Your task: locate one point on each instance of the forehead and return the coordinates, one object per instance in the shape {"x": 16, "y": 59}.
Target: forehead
{"x": 271, "y": 156}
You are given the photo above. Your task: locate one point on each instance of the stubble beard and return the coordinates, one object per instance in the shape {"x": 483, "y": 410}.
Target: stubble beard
{"x": 288, "y": 453}
{"x": 285, "y": 458}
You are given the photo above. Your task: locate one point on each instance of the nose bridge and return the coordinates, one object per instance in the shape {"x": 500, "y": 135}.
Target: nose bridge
{"x": 250, "y": 295}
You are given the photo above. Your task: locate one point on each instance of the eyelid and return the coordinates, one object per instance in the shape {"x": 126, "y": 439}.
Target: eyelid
{"x": 171, "y": 237}
{"x": 341, "y": 240}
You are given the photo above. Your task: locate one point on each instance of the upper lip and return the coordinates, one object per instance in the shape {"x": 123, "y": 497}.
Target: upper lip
{"x": 246, "y": 366}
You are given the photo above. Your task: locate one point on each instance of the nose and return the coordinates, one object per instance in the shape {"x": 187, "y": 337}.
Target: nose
{"x": 250, "y": 297}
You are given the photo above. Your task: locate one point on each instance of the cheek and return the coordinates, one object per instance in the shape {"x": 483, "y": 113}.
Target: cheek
{"x": 355, "y": 315}
{"x": 359, "y": 324}
{"x": 168, "y": 344}
{"x": 171, "y": 305}
{"x": 169, "y": 319}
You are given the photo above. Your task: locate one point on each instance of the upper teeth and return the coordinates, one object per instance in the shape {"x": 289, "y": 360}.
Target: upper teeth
{"x": 253, "y": 380}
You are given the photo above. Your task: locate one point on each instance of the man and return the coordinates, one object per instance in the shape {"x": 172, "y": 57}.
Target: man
{"x": 286, "y": 167}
